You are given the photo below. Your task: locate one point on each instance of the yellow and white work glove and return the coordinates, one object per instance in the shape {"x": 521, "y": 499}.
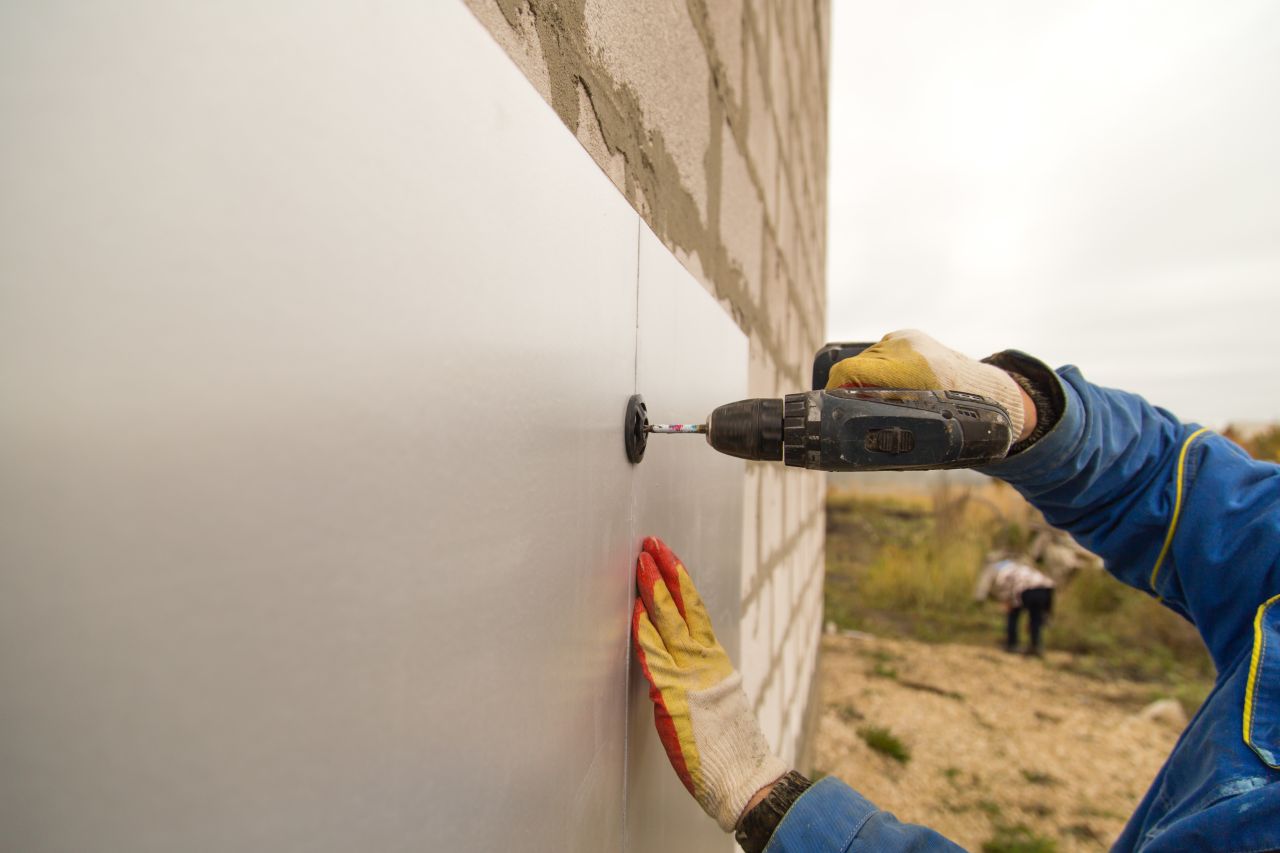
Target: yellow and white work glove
{"x": 702, "y": 715}
{"x": 912, "y": 359}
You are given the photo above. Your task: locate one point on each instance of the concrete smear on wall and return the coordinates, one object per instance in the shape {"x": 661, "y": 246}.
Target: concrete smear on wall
{"x": 624, "y": 76}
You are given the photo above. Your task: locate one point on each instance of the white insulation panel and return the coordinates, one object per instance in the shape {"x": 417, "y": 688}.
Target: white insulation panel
{"x": 316, "y": 532}
{"x": 692, "y": 358}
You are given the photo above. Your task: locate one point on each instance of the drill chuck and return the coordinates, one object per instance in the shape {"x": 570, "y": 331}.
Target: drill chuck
{"x": 763, "y": 429}
{"x": 748, "y": 429}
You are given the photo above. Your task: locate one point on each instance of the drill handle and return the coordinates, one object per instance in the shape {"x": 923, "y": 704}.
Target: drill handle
{"x": 828, "y": 357}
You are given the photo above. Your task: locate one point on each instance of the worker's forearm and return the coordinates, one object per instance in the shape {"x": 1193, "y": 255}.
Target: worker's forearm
{"x": 1083, "y": 473}
{"x": 756, "y": 800}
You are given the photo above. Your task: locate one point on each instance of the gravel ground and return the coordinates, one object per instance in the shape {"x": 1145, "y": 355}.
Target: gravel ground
{"x": 996, "y": 741}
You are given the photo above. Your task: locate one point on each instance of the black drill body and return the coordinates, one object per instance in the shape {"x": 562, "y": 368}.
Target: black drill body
{"x": 864, "y": 429}
{"x": 847, "y": 429}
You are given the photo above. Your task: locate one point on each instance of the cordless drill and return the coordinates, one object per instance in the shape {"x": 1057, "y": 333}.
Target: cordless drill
{"x": 848, "y": 429}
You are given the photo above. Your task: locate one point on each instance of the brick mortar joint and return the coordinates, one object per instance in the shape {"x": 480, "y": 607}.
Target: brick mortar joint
{"x": 767, "y": 567}
{"x": 775, "y": 659}
{"x": 793, "y": 291}
{"x": 739, "y": 136}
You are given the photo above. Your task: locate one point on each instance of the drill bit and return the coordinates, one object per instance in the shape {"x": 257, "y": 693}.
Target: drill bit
{"x": 677, "y": 429}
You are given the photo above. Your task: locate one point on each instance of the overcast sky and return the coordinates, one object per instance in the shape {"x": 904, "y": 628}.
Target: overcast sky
{"x": 1096, "y": 183}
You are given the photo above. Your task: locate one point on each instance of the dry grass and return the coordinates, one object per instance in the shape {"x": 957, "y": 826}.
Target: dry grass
{"x": 999, "y": 752}
{"x": 1007, "y": 753}
{"x": 904, "y": 565}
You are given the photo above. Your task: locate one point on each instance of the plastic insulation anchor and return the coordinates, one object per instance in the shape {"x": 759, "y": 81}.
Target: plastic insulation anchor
{"x": 635, "y": 429}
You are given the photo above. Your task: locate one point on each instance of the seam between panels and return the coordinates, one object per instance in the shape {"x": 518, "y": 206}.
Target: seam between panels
{"x": 632, "y": 533}
{"x": 635, "y": 359}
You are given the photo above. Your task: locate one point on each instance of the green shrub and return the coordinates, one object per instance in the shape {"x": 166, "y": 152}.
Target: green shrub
{"x": 1018, "y": 839}
{"x": 884, "y": 671}
{"x": 1035, "y": 777}
{"x": 885, "y": 742}
{"x": 1097, "y": 592}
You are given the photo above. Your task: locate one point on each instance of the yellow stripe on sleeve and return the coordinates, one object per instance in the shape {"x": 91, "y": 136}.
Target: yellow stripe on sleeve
{"x": 1254, "y": 662}
{"x": 1177, "y": 505}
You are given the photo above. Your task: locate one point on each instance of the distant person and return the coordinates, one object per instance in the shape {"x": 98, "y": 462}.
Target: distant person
{"x": 1018, "y": 586}
{"x": 1177, "y": 512}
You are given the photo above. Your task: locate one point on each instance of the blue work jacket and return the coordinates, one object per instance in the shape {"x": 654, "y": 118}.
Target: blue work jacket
{"x": 1182, "y": 514}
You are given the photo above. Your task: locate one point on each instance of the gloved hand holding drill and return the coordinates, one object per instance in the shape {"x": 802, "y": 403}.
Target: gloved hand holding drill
{"x": 897, "y": 405}
{"x": 912, "y": 359}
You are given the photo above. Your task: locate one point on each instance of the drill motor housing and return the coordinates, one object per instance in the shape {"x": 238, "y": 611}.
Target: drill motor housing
{"x": 864, "y": 429}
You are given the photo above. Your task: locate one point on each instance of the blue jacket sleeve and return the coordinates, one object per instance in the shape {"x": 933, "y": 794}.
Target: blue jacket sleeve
{"x": 831, "y": 817}
{"x": 1173, "y": 509}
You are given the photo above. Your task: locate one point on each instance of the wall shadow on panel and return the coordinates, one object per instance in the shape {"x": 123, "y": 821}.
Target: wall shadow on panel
{"x": 691, "y": 358}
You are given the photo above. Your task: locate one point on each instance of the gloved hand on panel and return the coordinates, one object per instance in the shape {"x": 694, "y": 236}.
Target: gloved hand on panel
{"x": 701, "y": 712}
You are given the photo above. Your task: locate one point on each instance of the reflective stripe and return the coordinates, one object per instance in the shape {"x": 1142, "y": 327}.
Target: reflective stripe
{"x": 1177, "y": 504}
{"x": 1251, "y": 685}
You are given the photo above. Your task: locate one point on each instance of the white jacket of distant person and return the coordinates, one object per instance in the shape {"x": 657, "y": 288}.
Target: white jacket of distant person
{"x": 1006, "y": 580}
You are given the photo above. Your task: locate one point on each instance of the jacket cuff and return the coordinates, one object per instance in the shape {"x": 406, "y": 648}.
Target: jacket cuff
{"x": 828, "y": 816}
{"x": 1062, "y": 440}
{"x": 757, "y": 826}
{"x": 1039, "y": 383}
